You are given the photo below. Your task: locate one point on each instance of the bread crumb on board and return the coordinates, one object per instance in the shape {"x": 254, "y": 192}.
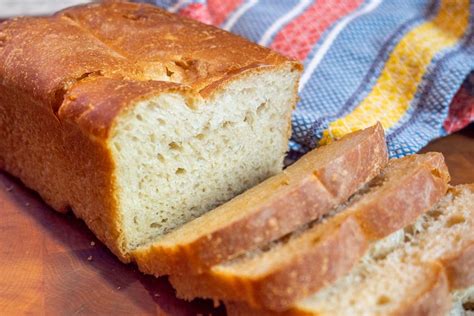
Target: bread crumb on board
{"x": 89, "y": 258}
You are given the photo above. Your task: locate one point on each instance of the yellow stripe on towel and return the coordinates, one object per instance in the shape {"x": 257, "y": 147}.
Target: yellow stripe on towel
{"x": 395, "y": 88}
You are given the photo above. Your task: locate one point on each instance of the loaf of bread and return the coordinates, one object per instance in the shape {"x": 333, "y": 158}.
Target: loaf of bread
{"x": 308, "y": 189}
{"x": 145, "y": 124}
{"x": 411, "y": 272}
{"x": 279, "y": 274}
{"x": 139, "y": 120}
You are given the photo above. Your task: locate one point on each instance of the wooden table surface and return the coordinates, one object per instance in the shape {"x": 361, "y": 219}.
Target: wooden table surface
{"x": 52, "y": 264}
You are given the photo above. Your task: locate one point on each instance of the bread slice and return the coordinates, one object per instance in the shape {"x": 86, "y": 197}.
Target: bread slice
{"x": 288, "y": 270}
{"x": 139, "y": 120}
{"x": 403, "y": 275}
{"x": 306, "y": 190}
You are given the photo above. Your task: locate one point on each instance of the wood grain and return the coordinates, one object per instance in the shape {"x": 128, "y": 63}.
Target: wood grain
{"x": 52, "y": 264}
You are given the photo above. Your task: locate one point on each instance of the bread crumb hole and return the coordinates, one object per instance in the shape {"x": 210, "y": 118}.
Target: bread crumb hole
{"x": 160, "y": 157}
{"x": 248, "y": 118}
{"x": 180, "y": 171}
{"x": 227, "y": 124}
{"x": 139, "y": 117}
{"x": 200, "y": 136}
{"x": 174, "y": 146}
{"x": 455, "y": 220}
{"x": 161, "y": 121}
{"x": 435, "y": 214}
{"x": 469, "y": 306}
{"x": 155, "y": 225}
{"x": 383, "y": 300}
{"x": 118, "y": 147}
{"x": 261, "y": 108}
{"x": 135, "y": 220}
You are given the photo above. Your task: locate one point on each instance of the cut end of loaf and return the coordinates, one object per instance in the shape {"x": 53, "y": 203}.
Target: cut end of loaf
{"x": 175, "y": 161}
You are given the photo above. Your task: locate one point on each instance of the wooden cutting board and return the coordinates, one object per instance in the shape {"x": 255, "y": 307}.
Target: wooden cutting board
{"x": 52, "y": 264}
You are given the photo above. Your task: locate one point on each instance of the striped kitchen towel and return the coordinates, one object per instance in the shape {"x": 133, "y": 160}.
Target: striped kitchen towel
{"x": 400, "y": 62}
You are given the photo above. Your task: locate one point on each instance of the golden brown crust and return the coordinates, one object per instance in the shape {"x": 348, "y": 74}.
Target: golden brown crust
{"x": 283, "y": 282}
{"x": 45, "y": 57}
{"x": 429, "y": 181}
{"x": 57, "y": 159}
{"x": 312, "y": 194}
{"x": 196, "y": 53}
{"x": 434, "y": 300}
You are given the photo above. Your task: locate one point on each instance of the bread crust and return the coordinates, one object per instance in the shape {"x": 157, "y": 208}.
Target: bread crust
{"x": 65, "y": 80}
{"x": 56, "y": 159}
{"x": 379, "y": 221}
{"x": 312, "y": 193}
{"x": 283, "y": 282}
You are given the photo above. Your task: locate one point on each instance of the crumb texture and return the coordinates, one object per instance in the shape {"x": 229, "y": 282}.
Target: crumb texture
{"x": 175, "y": 162}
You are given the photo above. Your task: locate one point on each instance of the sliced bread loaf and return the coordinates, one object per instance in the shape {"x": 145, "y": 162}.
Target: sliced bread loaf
{"x": 137, "y": 119}
{"x": 281, "y": 273}
{"x": 409, "y": 273}
{"x": 306, "y": 190}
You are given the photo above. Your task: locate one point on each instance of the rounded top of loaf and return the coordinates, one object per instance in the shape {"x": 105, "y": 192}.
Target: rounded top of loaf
{"x": 128, "y": 44}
